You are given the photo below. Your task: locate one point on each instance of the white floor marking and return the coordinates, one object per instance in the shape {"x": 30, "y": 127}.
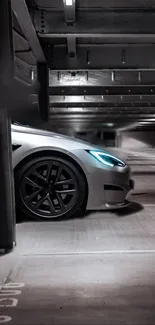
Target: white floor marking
{"x": 7, "y": 289}
{"x": 5, "y": 319}
{"x": 11, "y": 285}
{"x": 13, "y": 303}
{"x": 4, "y": 292}
{"x": 127, "y": 251}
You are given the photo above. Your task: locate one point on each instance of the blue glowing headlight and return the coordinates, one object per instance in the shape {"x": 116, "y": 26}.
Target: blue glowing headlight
{"x": 107, "y": 159}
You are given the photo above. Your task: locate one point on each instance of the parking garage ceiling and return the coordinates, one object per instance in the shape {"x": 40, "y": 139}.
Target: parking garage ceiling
{"x": 100, "y": 56}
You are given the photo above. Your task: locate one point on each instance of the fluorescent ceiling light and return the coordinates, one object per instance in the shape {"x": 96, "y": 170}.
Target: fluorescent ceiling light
{"x": 69, "y": 2}
{"x": 32, "y": 75}
{"x": 148, "y": 121}
{"x": 110, "y": 124}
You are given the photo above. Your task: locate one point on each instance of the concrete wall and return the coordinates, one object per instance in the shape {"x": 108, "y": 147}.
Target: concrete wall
{"x": 137, "y": 139}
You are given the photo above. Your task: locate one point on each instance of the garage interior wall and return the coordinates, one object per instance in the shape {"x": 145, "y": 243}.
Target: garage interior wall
{"x": 137, "y": 139}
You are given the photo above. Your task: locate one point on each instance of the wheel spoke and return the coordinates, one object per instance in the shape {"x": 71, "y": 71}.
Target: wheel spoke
{"x": 38, "y": 175}
{"x": 51, "y": 206}
{"x": 58, "y": 174}
{"x": 66, "y": 191}
{"x": 32, "y": 183}
{"x": 49, "y": 169}
{"x": 32, "y": 195}
{"x": 65, "y": 182}
{"x": 61, "y": 203}
{"x": 40, "y": 201}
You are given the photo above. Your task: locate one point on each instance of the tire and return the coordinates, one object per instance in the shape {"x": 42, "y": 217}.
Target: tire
{"x": 56, "y": 191}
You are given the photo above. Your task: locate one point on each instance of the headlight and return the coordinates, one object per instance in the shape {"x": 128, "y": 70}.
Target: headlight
{"x": 107, "y": 159}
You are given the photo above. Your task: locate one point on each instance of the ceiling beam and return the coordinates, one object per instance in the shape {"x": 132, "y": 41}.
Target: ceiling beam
{"x": 99, "y": 112}
{"x": 23, "y": 17}
{"x": 71, "y": 46}
{"x": 106, "y": 38}
{"x": 101, "y": 90}
{"x": 57, "y": 121}
{"x": 100, "y": 115}
{"x": 102, "y": 105}
{"x": 101, "y": 77}
{"x": 126, "y": 100}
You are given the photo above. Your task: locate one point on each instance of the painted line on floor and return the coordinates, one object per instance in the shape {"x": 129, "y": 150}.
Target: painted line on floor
{"x": 7, "y": 290}
{"x": 106, "y": 252}
{"x": 5, "y": 319}
{"x": 148, "y": 205}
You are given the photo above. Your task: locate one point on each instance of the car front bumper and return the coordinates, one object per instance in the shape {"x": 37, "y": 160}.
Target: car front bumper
{"x": 110, "y": 189}
{"x": 113, "y": 206}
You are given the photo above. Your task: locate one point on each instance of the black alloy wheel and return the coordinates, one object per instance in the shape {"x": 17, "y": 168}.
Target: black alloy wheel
{"x": 50, "y": 187}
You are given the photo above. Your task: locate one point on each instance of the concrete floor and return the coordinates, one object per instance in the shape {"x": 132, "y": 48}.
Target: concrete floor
{"x": 95, "y": 270}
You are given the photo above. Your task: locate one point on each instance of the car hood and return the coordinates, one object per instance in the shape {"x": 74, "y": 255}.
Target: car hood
{"x": 56, "y": 137}
{"x": 57, "y": 140}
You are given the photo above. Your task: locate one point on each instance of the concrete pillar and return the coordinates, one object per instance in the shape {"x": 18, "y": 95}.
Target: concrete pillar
{"x": 7, "y": 199}
{"x": 43, "y": 94}
{"x": 110, "y": 139}
{"x": 118, "y": 139}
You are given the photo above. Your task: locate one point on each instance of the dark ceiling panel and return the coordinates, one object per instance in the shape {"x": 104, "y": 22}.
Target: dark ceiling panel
{"x": 22, "y": 49}
{"x": 115, "y": 4}
{"x": 20, "y": 42}
{"x": 101, "y": 57}
{"x": 52, "y": 4}
{"x": 23, "y": 71}
{"x": 99, "y": 22}
{"x": 23, "y": 17}
{"x": 85, "y": 4}
{"x": 16, "y": 25}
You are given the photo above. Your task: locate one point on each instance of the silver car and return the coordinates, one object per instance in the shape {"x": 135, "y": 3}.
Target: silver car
{"x": 59, "y": 176}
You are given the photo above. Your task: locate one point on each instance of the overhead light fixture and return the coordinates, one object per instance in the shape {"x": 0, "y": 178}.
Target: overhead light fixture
{"x": 110, "y": 124}
{"x": 69, "y": 2}
{"x": 32, "y": 75}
